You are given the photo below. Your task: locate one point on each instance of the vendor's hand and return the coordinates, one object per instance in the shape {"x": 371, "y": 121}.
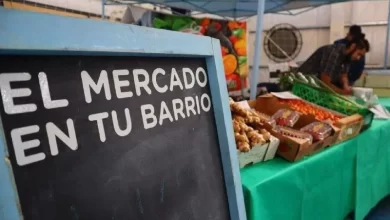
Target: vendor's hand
{"x": 347, "y": 91}
{"x": 348, "y": 88}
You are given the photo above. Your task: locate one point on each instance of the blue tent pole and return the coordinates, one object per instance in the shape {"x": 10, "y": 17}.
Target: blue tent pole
{"x": 256, "y": 59}
{"x": 387, "y": 39}
{"x": 103, "y": 8}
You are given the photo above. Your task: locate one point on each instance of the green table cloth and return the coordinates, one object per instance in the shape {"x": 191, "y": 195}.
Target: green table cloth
{"x": 373, "y": 167}
{"x": 319, "y": 187}
{"x": 385, "y": 101}
{"x": 351, "y": 176}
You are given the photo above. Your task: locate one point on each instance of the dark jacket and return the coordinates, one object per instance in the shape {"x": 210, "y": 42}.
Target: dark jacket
{"x": 356, "y": 68}
{"x": 328, "y": 59}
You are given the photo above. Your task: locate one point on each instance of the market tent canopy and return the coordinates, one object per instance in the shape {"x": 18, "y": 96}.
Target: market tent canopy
{"x": 232, "y": 8}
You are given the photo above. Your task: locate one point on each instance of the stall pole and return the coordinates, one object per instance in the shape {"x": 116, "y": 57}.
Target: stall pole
{"x": 387, "y": 38}
{"x": 256, "y": 59}
{"x": 103, "y": 9}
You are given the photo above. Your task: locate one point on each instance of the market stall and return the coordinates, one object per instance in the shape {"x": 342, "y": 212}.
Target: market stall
{"x": 327, "y": 179}
{"x": 351, "y": 176}
{"x": 327, "y": 185}
{"x": 321, "y": 166}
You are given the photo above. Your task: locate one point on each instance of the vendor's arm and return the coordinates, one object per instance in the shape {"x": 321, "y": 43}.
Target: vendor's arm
{"x": 345, "y": 81}
{"x": 329, "y": 67}
{"x": 356, "y": 71}
{"x": 328, "y": 81}
{"x": 334, "y": 70}
{"x": 363, "y": 75}
{"x": 361, "y": 67}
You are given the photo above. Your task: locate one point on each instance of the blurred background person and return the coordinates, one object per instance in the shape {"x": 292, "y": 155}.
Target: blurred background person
{"x": 356, "y": 67}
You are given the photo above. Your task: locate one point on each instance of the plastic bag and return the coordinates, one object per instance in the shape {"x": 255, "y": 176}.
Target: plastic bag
{"x": 318, "y": 130}
{"x": 265, "y": 118}
{"x": 294, "y": 133}
{"x": 286, "y": 117}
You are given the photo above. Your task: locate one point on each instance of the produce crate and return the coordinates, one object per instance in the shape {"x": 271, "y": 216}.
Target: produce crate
{"x": 332, "y": 101}
{"x": 350, "y": 125}
{"x": 290, "y": 148}
{"x": 259, "y": 153}
{"x": 255, "y": 155}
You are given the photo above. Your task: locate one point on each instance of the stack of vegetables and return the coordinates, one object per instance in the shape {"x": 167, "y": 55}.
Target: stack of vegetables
{"x": 246, "y": 128}
{"x": 315, "y": 91}
{"x": 308, "y": 109}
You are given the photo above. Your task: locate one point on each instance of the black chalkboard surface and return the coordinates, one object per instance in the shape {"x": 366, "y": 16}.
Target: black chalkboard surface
{"x": 165, "y": 172}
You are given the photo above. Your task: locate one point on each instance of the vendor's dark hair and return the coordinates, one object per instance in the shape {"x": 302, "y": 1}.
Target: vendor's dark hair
{"x": 367, "y": 45}
{"x": 360, "y": 42}
{"x": 355, "y": 30}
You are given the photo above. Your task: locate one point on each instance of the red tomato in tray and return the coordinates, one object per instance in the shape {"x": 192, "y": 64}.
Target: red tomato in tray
{"x": 307, "y": 109}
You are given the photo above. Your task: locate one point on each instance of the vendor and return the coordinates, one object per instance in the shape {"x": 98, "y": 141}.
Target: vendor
{"x": 331, "y": 63}
{"x": 357, "y": 67}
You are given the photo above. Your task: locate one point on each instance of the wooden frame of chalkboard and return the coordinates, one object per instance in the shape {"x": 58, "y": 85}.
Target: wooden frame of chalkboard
{"x": 27, "y": 33}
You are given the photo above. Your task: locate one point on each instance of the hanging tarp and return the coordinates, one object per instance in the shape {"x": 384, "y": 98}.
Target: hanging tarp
{"x": 237, "y": 8}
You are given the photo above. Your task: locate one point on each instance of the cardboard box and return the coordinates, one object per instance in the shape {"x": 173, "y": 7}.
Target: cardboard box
{"x": 349, "y": 125}
{"x": 255, "y": 155}
{"x": 291, "y": 149}
{"x": 258, "y": 153}
{"x": 272, "y": 148}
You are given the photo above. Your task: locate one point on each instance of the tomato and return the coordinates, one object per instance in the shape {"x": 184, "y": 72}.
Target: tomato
{"x": 203, "y": 30}
{"x": 205, "y": 22}
{"x": 307, "y": 109}
{"x": 233, "y": 81}
{"x": 233, "y": 39}
{"x": 224, "y": 51}
{"x": 229, "y": 63}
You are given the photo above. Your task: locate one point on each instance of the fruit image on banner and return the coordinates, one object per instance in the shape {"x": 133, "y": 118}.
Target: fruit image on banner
{"x": 229, "y": 63}
{"x": 231, "y": 34}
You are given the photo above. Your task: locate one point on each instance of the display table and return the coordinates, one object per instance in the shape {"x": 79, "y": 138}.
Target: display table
{"x": 385, "y": 102}
{"x": 351, "y": 176}
{"x": 373, "y": 167}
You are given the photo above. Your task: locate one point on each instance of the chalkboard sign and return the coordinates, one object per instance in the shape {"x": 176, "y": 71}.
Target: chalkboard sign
{"x": 100, "y": 137}
{"x": 102, "y": 120}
